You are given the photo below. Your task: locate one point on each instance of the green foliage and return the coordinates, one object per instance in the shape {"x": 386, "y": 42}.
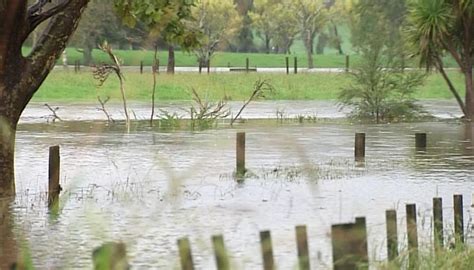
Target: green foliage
{"x": 168, "y": 120}
{"x": 382, "y": 94}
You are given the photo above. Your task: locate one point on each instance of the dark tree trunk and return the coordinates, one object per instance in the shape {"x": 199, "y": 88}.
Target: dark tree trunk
{"x": 267, "y": 44}
{"x": 87, "y": 55}
{"x": 20, "y": 77}
{"x": 8, "y": 245}
{"x": 469, "y": 93}
{"x": 171, "y": 60}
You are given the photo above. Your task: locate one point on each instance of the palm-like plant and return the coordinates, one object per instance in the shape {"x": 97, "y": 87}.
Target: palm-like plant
{"x": 440, "y": 27}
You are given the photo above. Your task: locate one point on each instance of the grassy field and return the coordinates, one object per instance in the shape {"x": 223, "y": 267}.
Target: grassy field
{"x": 69, "y": 86}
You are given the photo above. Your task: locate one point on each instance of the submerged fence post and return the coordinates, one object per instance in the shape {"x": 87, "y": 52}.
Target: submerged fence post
{"x": 392, "y": 234}
{"x": 287, "y": 62}
{"x": 296, "y": 65}
{"x": 53, "y": 174}
{"x": 222, "y": 260}
{"x": 458, "y": 220}
{"x": 420, "y": 141}
{"x": 303, "y": 249}
{"x": 359, "y": 148}
{"x": 438, "y": 223}
{"x": 267, "y": 250}
{"x": 185, "y": 255}
{"x": 412, "y": 232}
{"x": 240, "y": 154}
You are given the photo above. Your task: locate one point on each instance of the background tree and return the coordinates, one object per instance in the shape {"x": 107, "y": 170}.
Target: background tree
{"x": 286, "y": 26}
{"x": 261, "y": 18}
{"x": 219, "y": 22}
{"x": 380, "y": 90}
{"x": 446, "y": 27}
{"x": 312, "y": 17}
{"x": 243, "y": 42}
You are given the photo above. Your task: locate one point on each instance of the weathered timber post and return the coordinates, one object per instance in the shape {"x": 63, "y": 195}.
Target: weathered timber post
{"x": 296, "y": 65}
{"x": 303, "y": 249}
{"x": 392, "y": 234}
{"x": 349, "y": 245}
{"x": 185, "y": 254}
{"x": 222, "y": 260}
{"x": 110, "y": 256}
{"x": 267, "y": 250}
{"x": 412, "y": 232}
{"x": 458, "y": 220}
{"x": 53, "y": 175}
{"x": 347, "y": 63}
{"x": 438, "y": 223}
{"x": 359, "y": 147}
{"x": 420, "y": 141}
{"x": 240, "y": 154}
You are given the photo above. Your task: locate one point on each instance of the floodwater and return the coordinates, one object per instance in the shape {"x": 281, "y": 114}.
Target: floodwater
{"x": 150, "y": 187}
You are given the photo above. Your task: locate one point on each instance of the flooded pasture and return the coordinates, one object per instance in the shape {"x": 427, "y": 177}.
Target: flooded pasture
{"x": 150, "y": 187}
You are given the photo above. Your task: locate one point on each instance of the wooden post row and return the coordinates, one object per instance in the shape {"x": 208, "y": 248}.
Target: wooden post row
{"x": 267, "y": 250}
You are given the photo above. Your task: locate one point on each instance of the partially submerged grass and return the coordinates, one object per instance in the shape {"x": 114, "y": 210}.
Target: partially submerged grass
{"x": 69, "y": 86}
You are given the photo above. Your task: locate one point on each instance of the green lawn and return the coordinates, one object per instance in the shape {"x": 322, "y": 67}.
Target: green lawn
{"x": 69, "y": 86}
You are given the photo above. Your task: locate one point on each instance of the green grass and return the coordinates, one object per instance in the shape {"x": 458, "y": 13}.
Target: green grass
{"x": 69, "y": 86}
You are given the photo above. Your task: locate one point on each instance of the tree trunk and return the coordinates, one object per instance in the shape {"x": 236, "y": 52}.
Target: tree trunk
{"x": 171, "y": 60}
{"x": 469, "y": 93}
{"x": 20, "y": 77}
{"x": 8, "y": 246}
{"x": 267, "y": 44}
{"x": 87, "y": 55}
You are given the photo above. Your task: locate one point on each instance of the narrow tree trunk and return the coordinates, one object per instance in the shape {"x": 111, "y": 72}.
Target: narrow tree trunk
{"x": 154, "y": 70}
{"x": 451, "y": 87}
{"x": 469, "y": 93}
{"x": 267, "y": 44}
{"x": 8, "y": 245}
{"x": 171, "y": 60}
{"x": 7, "y": 150}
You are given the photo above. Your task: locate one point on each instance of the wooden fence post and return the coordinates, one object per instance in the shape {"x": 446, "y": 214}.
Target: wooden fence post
{"x": 359, "y": 148}
{"x": 349, "y": 245}
{"x": 287, "y": 62}
{"x": 420, "y": 141}
{"x": 267, "y": 250}
{"x": 240, "y": 154}
{"x": 458, "y": 220}
{"x": 303, "y": 249}
{"x": 296, "y": 65}
{"x": 110, "y": 256}
{"x": 412, "y": 232}
{"x": 53, "y": 172}
{"x": 392, "y": 234}
{"x": 438, "y": 223}
{"x": 222, "y": 260}
{"x": 347, "y": 63}
{"x": 185, "y": 254}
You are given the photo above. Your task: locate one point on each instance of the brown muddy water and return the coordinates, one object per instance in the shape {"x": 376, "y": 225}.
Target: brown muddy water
{"x": 149, "y": 187}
